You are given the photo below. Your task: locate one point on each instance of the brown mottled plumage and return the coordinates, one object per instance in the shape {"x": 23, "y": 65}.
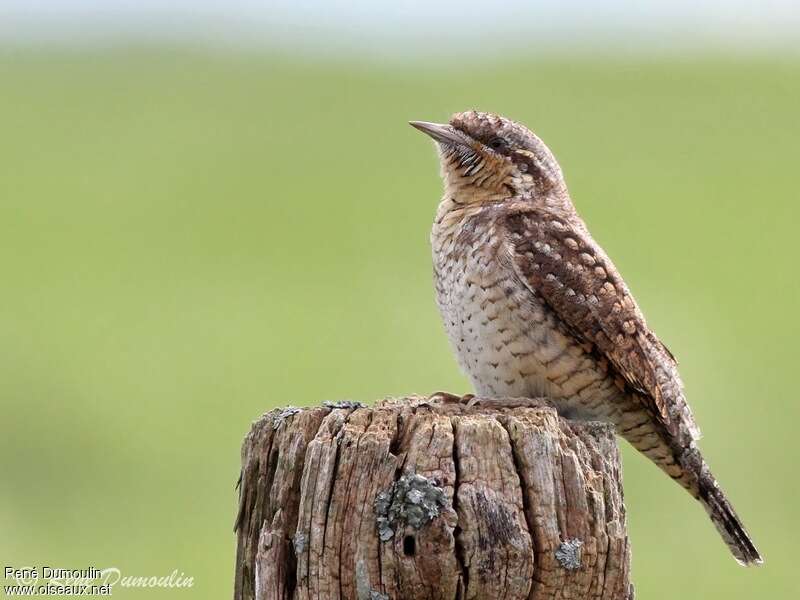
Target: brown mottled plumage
{"x": 533, "y": 306}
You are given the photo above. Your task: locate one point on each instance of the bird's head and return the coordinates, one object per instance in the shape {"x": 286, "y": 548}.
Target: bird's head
{"x": 487, "y": 158}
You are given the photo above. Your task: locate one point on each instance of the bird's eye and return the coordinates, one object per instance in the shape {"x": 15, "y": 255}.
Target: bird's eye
{"x": 497, "y": 143}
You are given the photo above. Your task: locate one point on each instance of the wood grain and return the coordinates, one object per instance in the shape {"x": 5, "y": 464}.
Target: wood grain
{"x": 430, "y": 498}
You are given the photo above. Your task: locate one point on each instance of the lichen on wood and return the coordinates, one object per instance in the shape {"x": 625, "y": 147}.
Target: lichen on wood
{"x": 411, "y": 500}
{"x": 430, "y": 498}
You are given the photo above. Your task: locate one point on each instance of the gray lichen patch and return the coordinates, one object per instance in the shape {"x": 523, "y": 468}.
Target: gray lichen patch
{"x": 299, "y": 543}
{"x": 568, "y": 554}
{"x": 412, "y": 500}
{"x": 283, "y": 414}
{"x": 351, "y": 404}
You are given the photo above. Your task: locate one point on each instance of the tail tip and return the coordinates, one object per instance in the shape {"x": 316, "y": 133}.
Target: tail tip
{"x": 750, "y": 558}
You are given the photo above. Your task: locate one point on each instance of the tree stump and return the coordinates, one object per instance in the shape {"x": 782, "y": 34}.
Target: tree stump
{"x": 430, "y": 498}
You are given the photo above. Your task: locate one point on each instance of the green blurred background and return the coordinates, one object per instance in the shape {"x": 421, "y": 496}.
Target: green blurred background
{"x": 191, "y": 238}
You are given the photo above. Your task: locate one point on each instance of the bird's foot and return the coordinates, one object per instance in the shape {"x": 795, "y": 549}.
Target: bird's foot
{"x": 448, "y": 397}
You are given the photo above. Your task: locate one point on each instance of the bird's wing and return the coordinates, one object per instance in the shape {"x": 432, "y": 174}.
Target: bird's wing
{"x": 566, "y": 268}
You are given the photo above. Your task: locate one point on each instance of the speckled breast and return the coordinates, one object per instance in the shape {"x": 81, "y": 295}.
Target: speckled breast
{"x": 506, "y": 340}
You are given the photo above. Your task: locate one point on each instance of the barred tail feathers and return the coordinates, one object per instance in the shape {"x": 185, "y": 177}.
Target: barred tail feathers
{"x": 722, "y": 513}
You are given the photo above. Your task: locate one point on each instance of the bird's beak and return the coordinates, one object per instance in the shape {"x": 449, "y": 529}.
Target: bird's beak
{"x": 446, "y": 134}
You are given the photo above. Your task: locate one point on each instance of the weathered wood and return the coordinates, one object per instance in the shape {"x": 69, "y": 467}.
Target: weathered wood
{"x": 430, "y": 498}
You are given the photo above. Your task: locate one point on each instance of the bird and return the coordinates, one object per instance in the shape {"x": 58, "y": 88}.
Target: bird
{"x": 533, "y": 306}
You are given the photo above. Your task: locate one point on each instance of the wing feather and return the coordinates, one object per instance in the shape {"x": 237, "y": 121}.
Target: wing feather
{"x": 564, "y": 266}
